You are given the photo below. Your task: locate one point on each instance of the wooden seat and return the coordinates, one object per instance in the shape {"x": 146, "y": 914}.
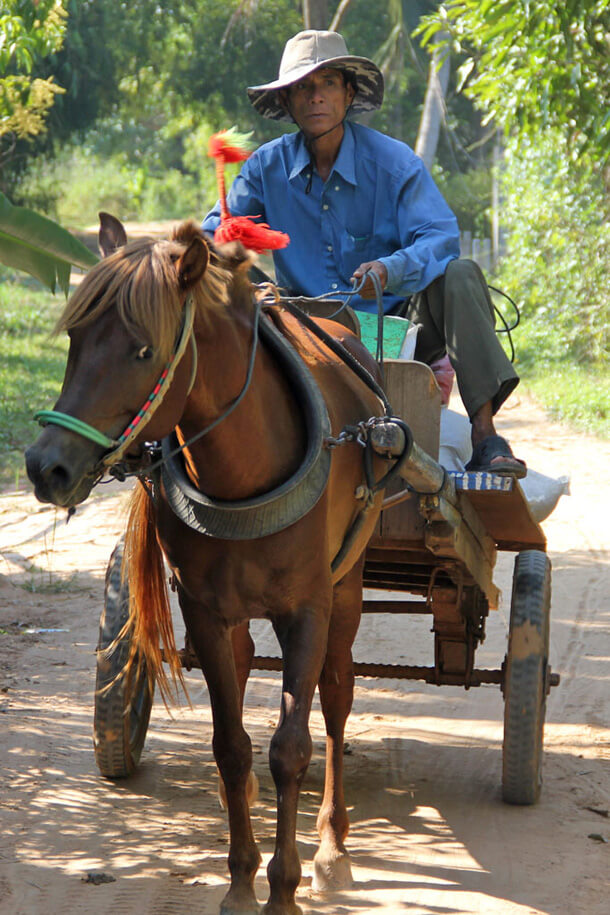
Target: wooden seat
{"x": 416, "y": 399}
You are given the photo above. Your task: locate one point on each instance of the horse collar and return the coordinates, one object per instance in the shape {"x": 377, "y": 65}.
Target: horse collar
{"x": 249, "y": 519}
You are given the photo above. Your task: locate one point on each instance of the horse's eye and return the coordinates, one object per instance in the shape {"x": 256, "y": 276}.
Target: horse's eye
{"x": 145, "y": 352}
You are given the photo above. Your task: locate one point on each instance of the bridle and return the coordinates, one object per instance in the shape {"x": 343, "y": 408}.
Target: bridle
{"x": 117, "y": 448}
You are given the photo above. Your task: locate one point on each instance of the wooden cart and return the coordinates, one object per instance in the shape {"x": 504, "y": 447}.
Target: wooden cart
{"x": 436, "y": 545}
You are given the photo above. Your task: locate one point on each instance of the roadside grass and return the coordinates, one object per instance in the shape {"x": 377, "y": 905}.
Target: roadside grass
{"x": 573, "y": 394}
{"x": 43, "y": 581}
{"x": 32, "y": 367}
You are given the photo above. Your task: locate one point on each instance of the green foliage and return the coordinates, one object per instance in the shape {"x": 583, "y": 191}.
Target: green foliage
{"x": 557, "y": 220}
{"x": 129, "y": 171}
{"x": 30, "y": 242}
{"x": 29, "y": 32}
{"x": 536, "y": 65}
{"x": 146, "y": 86}
{"x": 468, "y": 193}
{"x": 31, "y": 368}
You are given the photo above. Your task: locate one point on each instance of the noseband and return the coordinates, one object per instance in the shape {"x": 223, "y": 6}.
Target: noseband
{"x": 119, "y": 446}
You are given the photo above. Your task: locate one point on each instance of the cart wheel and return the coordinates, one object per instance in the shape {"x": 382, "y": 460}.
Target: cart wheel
{"x": 122, "y": 704}
{"x": 526, "y": 678}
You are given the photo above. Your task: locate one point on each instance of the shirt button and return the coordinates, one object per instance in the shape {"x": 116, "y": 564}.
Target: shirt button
{"x": 329, "y": 247}
{"x": 337, "y": 187}
{"x": 333, "y": 285}
{"x": 325, "y": 206}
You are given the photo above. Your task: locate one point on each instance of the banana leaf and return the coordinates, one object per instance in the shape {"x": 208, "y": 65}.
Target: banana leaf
{"x": 40, "y": 247}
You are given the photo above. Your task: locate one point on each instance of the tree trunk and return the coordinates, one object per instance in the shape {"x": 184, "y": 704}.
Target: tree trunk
{"x": 339, "y": 14}
{"x": 434, "y": 102}
{"x": 315, "y": 14}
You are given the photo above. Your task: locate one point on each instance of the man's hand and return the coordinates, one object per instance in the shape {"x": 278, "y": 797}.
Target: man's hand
{"x": 376, "y": 267}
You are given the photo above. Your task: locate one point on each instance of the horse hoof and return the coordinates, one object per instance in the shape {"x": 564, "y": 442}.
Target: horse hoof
{"x": 240, "y": 902}
{"x": 331, "y": 872}
{"x": 275, "y": 908}
{"x": 251, "y": 791}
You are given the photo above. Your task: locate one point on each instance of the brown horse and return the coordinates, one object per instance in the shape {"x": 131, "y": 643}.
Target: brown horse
{"x": 306, "y": 576}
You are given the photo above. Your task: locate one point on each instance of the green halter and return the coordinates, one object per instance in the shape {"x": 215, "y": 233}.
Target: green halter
{"x": 144, "y": 415}
{"x": 55, "y": 418}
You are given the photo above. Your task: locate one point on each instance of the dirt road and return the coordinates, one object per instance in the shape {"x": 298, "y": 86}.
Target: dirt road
{"x": 429, "y": 831}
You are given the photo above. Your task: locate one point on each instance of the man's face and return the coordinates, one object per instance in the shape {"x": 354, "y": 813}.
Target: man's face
{"x": 319, "y": 101}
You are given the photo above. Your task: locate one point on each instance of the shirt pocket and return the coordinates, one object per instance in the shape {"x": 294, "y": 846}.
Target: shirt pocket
{"x": 355, "y": 250}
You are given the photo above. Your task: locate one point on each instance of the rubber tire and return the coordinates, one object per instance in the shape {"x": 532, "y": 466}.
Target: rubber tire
{"x": 525, "y": 681}
{"x": 123, "y": 704}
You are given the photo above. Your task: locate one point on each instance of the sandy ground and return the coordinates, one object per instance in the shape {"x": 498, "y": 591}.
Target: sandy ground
{"x": 429, "y": 833}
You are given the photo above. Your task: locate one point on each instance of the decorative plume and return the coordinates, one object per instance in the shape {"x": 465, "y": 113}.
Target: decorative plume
{"x": 231, "y": 146}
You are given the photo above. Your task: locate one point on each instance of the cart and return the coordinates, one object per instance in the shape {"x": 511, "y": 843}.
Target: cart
{"x": 436, "y": 544}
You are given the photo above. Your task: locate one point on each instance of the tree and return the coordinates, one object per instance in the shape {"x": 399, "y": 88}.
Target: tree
{"x": 29, "y": 32}
{"x": 315, "y": 14}
{"x": 146, "y": 84}
{"x": 536, "y": 66}
{"x": 556, "y": 217}
{"x": 433, "y": 113}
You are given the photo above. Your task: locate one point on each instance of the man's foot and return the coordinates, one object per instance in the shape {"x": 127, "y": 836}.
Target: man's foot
{"x": 493, "y": 454}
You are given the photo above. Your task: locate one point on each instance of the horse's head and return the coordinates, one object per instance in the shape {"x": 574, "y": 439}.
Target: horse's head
{"x": 124, "y": 322}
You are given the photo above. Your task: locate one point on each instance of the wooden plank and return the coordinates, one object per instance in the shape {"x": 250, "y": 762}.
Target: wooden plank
{"x": 499, "y": 501}
{"x": 503, "y": 510}
{"x": 416, "y": 399}
{"x": 445, "y": 538}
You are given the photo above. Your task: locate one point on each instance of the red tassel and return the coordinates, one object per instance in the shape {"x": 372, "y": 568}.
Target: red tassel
{"x": 230, "y": 146}
{"x": 257, "y": 236}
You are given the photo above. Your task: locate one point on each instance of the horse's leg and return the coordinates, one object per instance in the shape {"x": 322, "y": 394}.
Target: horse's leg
{"x": 332, "y": 869}
{"x": 303, "y": 642}
{"x": 243, "y": 652}
{"x": 232, "y": 750}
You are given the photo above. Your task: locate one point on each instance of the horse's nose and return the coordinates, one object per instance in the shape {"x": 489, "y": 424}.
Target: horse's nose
{"x": 51, "y": 476}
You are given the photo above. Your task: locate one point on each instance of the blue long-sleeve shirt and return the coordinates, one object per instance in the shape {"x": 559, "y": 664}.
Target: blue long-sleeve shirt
{"x": 378, "y": 203}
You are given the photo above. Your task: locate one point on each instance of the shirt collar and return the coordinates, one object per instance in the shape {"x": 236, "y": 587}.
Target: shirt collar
{"x": 345, "y": 163}
{"x": 301, "y": 157}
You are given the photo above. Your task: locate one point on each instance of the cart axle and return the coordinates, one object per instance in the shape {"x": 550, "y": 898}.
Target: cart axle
{"x": 389, "y": 671}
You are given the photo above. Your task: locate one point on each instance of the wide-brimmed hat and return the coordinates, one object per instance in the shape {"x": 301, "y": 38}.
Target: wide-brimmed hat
{"x": 312, "y": 50}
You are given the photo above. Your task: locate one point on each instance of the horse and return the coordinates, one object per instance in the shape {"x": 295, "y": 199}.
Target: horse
{"x": 128, "y": 327}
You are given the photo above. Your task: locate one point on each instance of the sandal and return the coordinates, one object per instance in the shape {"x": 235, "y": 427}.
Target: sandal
{"x": 494, "y": 447}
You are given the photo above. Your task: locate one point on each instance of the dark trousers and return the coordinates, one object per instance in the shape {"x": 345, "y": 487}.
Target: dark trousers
{"x": 456, "y": 316}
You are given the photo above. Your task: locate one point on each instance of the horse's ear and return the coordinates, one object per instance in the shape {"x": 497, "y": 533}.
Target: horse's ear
{"x": 193, "y": 263}
{"x": 234, "y": 255}
{"x": 112, "y": 234}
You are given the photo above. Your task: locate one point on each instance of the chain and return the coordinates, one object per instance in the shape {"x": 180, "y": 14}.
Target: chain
{"x": 358, "y": 434}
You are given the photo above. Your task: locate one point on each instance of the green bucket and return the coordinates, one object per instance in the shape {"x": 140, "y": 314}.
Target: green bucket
{"x": 399, "y": 335}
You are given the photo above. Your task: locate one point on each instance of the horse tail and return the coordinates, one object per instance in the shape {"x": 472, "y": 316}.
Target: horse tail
{"x": 150, "y": 620}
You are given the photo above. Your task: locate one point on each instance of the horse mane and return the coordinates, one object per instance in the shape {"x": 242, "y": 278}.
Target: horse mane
{"x": 140, "y": 280}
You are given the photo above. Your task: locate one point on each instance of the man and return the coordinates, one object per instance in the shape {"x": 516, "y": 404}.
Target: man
{"x": 355, "y": 202}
